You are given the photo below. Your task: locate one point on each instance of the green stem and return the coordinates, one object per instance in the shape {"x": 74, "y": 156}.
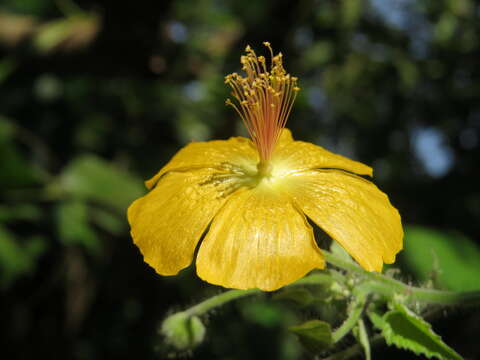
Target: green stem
{"x": 355, "y": 349}
{"x": 390, "y": 287}
{"x": 352, "y": 319}
{"x": 219, "y": 300}
{"x": 378, "y": 283}
{"x": 230, "y": 295}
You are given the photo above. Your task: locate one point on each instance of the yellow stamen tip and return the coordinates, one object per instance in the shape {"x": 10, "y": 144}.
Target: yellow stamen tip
{"x": 265, "y": 97}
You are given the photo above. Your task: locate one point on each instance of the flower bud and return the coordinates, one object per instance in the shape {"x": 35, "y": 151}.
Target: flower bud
{"x": 182, "y": 331}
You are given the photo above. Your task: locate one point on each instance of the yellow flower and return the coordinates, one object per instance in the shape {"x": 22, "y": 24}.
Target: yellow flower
{"x": 250, "y": 199}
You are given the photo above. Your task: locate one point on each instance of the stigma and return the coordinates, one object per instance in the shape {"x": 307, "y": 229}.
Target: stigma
{"x": 264, "y": 98}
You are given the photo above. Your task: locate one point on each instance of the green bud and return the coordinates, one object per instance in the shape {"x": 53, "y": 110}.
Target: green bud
{"x": 182, "y": 331}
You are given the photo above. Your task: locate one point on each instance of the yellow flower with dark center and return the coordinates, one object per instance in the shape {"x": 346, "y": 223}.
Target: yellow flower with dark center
{"x": 251, "y": 198}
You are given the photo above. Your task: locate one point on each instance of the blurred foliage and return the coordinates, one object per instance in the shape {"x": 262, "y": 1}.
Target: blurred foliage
{"x": 96, "y": 96}
{"x": 450, "y": 260}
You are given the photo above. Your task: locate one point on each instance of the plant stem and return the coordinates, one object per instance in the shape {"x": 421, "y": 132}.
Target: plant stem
{"x": 352, "y": 319}
{"x": 219, "y": 300}
{"x": 355, "y": 349}
{"x": 390, "y": 287}
{"x": 230, "y": 295}
{"x": 378, "y": 283}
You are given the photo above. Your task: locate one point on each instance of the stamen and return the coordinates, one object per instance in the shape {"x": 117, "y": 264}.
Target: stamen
{"x": 265, "y": 97}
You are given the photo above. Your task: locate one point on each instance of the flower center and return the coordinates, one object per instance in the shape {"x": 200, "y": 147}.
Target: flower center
{"x": 264, "y": 169}
{"x": 265, "y": 97}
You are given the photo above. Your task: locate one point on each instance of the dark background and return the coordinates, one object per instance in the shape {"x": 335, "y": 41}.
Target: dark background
{"x": 96, "y": 96}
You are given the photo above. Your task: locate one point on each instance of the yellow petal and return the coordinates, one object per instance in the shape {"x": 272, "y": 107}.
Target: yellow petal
{"x": 285, "y": 137}
{"x": 258, "y": 240}
{"x": 353, "y": 211}
{"x": 167, "y": 223}
{"x": 296, "y": 156}
{"x": 236, "y": 151}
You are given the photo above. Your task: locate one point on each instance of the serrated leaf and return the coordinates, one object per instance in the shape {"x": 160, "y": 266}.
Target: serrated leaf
{"x": 315, "y": 335}
{"x": 456, "y": 257}
{"x": 300, "y": 296}
{"x": 406, "y": 330}
{"x": 91, "y": 178}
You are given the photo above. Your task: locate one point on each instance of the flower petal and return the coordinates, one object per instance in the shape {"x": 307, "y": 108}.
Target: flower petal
{"x": 353, "y": 211}
{"x": 258, "y": 240}
{"x": 298, "y": 156}
{"x": 285, "y": 137}
{"x": 236, "y": 151}
{"x": 167, "y": 223}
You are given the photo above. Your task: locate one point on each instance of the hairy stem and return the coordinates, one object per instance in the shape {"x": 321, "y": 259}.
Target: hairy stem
{"x": 387, "y": 286}
{"x": 218, "y": 300}
{"x": 355, "y": 349}
{"x": 230, "y": 295}
{"x": 377, "y": 283}
{"x": 352, "y": 319}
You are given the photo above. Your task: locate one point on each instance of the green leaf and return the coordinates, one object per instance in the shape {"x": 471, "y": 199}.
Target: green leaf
{"x": 406, "y": 330}
{"x": 315, "y": 335}
{"x": 22, "y": 212}
{"x": 7, "y": 67}
{"x": 108, "y": 221}
{"x": 67, "y": 33}
{"x": 456, "y": 258}
{"x": 300, "y": 296}
{"x": 18, "y": 259}
{"x": 445, "y": 28}
{"x": 91, "y": 178}
{"x": 317, "y": 54}
{"x": 266, "y": 314}
{"x": 351, "y": 12}
{"x": 15, "y": 170}
{"x": 73, "y": 226}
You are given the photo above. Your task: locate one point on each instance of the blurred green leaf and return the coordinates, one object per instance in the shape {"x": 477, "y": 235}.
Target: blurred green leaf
{"x": 300, "y": 296}
{"x": 456, "y": 257}
{"x": 263, "y": 313}
{"x": 317, "y": 55}
{"x": 73, "y": 226}
{"x": 18, "y": 259}
{"x": 404, "y": 329}
{"x": 315, "y": 335}
{"x": 445, "y": 28}
{"x": 407, "y": 71}
{"x": 461, "y": 7}
{"x": 68, "y": 33}
{"x": 108, "y": 221}
{"x": 91, "y": 178}
{"x": 19, "y": 212}
{"x": 15, "y": 170}
{"x": 352, "y": 11}
{"x": 7, "y": 67}
{"x": 27, "y": 6}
